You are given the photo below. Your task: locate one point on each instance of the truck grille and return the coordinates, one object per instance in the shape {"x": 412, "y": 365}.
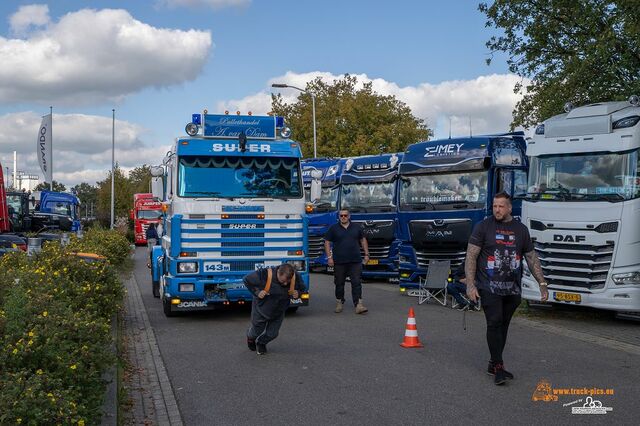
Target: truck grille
{"x": 575, "y": 265}
{"x": 456, "y": 257}
{"x": 377, "y": 251}
{"x": 316, "y": 246}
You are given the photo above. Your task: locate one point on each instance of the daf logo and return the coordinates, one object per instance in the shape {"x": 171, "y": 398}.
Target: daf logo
{"x": 569, "y": 238}
{"x": 438, "y": 222}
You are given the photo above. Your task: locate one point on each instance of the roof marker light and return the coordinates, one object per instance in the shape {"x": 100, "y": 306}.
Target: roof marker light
{"x": 191, "y": 129}
{"x": 568, "y": 107}
{"x": 393, "y": 160}
{"x": 349, "y": 164}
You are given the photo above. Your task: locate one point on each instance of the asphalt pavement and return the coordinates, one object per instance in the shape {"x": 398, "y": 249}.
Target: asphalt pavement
{"x": 328, "y": 368}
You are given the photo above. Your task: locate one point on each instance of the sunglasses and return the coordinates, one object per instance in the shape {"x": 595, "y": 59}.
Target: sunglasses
{"x": 344, "y": 215}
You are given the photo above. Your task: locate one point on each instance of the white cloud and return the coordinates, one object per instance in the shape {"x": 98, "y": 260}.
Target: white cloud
{"x": 486, "y": 101}
{"x": 81, "y": 146}
{"x": 213, "y": 4}
{"x": 94, "y": 56}
{"x": 33, "y": 15}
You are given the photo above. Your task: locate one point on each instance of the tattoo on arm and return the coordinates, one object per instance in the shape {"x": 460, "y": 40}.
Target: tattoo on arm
{"x": 534, "y": 266}
{"x": 471, "y": 263}
{"x": 327, "y": 248}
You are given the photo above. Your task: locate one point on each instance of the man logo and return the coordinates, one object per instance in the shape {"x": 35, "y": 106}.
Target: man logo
{"x": 569, "y": 238}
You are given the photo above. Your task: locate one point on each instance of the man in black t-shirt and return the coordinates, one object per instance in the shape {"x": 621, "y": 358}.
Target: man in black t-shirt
{"x": 345, "y": 258}
{"x": 494, "y": 261}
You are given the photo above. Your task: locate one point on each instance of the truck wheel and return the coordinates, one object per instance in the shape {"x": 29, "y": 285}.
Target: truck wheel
{"x": 166, "y": 307}
{"x": 155, "y": 288}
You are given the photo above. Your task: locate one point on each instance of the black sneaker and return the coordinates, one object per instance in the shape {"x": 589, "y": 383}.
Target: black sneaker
{"x": 491, "y": 370}
{"x": 251, "y": 344}
{"x": 499, "y": 378}
{"x": 261, "y": 349}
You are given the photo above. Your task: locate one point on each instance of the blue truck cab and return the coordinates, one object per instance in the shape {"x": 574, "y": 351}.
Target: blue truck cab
{"x": 63, "y": 204}
{"x": 233, "y": 198}
{"x": 368, "y": 189}
{"x": 323, "y": 212}
{"x": 445, "y": 188}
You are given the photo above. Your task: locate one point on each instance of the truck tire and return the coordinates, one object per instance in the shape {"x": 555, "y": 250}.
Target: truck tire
{"x": 155, "y": 288}
{"x": 166, "y": 307}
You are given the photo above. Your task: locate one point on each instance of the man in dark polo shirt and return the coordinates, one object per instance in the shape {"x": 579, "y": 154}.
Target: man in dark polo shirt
{"x": 345, "y": 258}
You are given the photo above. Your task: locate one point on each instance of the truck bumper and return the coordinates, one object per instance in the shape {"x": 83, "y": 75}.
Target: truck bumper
{"x": 622, "y": 299}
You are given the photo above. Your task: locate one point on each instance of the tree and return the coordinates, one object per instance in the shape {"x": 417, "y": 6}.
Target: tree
{"x": 44, "y": 186}
{"x": 350, "y": 121}
{"x": 123, "y": 199}
{"x": 88, "y": 195}
{"x": 140, "y": 178}
{"x": 581, "y": 51}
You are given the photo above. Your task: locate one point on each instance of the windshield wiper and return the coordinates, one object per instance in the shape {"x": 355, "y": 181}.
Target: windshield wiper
{"x": 356, "y": 208}
{"x": 209, "y": 194}
{"x": 611, "y": 197}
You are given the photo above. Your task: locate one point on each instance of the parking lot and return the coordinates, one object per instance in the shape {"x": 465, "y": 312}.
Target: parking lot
{"x": 350, "y": 369}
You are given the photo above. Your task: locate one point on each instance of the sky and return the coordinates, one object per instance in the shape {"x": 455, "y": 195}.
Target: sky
{"x": 155, "y": 62}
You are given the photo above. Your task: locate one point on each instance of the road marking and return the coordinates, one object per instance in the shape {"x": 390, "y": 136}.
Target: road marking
{"x": 579, "y": 335}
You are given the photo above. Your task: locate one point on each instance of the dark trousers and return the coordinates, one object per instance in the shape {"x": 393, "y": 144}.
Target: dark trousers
{"x": 498, "y": 311}
{"x": 262, "y": 329}
{"x": 340, "y": 273}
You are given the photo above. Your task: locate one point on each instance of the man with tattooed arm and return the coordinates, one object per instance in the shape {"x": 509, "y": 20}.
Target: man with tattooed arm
{"x": 493, "y": 270}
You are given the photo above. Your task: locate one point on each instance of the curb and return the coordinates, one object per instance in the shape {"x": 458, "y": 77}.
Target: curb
{"x": 149, "y": 387}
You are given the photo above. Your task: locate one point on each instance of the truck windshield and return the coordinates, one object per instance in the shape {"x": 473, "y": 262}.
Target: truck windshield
{"x": 61, "y": 207}
{"x": 149, "y": 214}
{"x": 15, "y": 202}
{"x": 239, "y": 177}
{"x": 600, "y": 176}
{"x": 328, "y": 199}
{"x": 444, "y": 191}
{"x": 368, "y": 197}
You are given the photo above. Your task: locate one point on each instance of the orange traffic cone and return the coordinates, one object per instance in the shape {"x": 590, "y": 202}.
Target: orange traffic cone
{"x": 411, "y": 333}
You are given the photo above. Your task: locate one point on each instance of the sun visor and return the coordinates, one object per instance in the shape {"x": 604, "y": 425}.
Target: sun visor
{"x": 577, "y": 126}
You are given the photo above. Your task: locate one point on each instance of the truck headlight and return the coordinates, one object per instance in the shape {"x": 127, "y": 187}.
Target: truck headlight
{"x": 187, "y": 267}
{"x": 298, "y": 264}
{"x": 627, "y": 278}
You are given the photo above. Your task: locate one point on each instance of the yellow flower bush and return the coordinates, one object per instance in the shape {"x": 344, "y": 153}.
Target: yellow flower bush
{"x": 55, "y": 331}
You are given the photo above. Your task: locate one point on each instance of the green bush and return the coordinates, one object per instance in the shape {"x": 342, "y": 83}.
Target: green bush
{"x": 109, "y": 244}
{"x": 55, "y": 313}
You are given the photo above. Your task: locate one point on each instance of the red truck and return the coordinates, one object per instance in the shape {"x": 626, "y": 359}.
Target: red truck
{"x": 145, "y": 211}
{"x": 5, "y": 220}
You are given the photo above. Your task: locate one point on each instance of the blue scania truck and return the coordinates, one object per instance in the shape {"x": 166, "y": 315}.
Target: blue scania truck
{"x": 323, "y": 212}
{"x": 445, "y": 188}
{"x": 368, "y": 190}
{"x": 233, "y": 198}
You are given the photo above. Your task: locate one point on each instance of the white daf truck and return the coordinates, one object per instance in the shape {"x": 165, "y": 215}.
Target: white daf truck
{"x": 583, "y": 206}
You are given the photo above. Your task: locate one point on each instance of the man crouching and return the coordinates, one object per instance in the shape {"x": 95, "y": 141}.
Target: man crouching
{"x": 270, "y": 302}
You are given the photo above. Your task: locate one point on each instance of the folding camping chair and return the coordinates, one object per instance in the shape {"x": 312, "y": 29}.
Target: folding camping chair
{"x": 434, "y": 286}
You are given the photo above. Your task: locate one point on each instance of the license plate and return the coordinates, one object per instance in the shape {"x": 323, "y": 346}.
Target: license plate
{"x": 216, "y": 267}
{"x": 372, "y": 262}
{"x": 567, "y": 297}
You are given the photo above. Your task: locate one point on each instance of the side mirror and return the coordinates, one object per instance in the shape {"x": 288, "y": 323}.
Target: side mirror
{"x": 316, "y": 190}
{"x": 157, "y": 171}
{"x": 157, "y": 188}
{"x": 131, "y": 215}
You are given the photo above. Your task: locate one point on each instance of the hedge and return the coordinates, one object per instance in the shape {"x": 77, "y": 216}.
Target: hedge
{"x": 55, "y": 315}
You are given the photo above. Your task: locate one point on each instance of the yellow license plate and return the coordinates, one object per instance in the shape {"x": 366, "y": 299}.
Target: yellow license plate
{"x": 567, "y": 297}
{"x": 372, "y": 262}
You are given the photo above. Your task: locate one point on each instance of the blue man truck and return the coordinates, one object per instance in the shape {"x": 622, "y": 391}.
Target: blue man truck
{"x": 233, "y": 198}
{"x": 323, "y": 212}
{"x": 61, "y": 204}
{"x": 368, "y": 190}
{"x": 445, "y": 188}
